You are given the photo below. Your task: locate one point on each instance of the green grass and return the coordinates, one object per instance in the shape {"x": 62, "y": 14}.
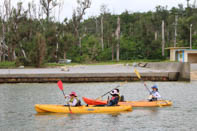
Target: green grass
{"x": 58, "y": 64}
{"x": 7, "y": 64}
{"x": 104, "y": 63}
{"x": 123, "y": 62}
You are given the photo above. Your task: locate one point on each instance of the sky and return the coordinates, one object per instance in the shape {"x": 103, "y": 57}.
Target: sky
{"x": 114, "y": 6}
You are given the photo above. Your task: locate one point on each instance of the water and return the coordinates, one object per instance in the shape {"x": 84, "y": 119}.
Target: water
{"x": 17, "y": 108}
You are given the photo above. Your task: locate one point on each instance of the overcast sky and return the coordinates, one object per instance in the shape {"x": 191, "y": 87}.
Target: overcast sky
{"x": 115, "y": 6}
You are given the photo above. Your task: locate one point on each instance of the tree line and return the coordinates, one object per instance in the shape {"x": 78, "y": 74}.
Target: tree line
{"x": 32, "y": 36}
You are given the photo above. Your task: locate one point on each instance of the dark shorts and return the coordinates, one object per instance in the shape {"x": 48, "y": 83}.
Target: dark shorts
{"x": 153, "y": 99}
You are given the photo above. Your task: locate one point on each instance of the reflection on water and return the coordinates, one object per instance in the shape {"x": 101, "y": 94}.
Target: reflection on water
{"x": 17, "y": 108}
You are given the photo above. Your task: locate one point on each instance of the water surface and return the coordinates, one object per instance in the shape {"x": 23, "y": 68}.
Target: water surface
{"x": 17, "y": 108}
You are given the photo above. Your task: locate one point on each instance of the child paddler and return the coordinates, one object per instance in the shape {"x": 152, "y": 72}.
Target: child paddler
{"x": 154, "y": 94}
{"x": 73, "y": 100}
{"x": 114, "y": 99}
{"x": 121, "y": 97}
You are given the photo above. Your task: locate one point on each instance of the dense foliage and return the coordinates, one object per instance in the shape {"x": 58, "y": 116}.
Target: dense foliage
{"x": 34, "y": 41}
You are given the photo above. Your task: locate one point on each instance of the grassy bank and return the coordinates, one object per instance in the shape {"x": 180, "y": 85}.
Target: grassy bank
{"x": 104, "y": 62}
{"x": 7, "y": 64}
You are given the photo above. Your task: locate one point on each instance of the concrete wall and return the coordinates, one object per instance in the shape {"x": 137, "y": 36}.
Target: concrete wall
{"x": 159, "y": 71}
{"x": 172, "y": 55}
{"x": 185, "y": 72}
{"x": 85, "y": 77}
{"x": 182, "y": 69}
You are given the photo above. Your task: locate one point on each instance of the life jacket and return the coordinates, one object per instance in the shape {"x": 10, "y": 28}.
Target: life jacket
{"x": 118, "y": 96}
{"x": 78, "y": 101}
{"x": 113, "y": 97}
{"x": 114, "y": 100}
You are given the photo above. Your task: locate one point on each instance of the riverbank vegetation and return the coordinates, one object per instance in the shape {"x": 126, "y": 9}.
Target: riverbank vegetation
{"x": 33, "y": 37}
{"x": 7, "y": 64}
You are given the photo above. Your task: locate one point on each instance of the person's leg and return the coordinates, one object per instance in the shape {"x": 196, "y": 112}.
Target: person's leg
{"x": 154, "y": 99}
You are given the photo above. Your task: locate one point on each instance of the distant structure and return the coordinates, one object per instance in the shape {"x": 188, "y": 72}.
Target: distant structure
{"x": 183, "y": 54}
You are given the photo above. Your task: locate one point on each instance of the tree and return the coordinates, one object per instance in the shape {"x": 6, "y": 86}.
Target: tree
{"x": 117, "y": 33}
{"x": 47, "y": 6}
{"x": 40, "y": 49}
{"x": 78, "y": 14}
{"x": 103, "y": 12}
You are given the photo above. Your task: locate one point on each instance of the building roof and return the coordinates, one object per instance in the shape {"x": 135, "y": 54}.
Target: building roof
{"x": 175, "y": 48}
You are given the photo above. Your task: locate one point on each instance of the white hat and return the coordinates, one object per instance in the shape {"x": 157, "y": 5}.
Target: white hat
{"x": 114, "y": 92}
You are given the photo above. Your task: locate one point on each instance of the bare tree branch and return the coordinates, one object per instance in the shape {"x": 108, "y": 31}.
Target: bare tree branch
{"x": 78, "y": 14}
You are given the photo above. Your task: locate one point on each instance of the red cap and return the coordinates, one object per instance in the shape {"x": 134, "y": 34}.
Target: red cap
{"x": 73, "y": 94}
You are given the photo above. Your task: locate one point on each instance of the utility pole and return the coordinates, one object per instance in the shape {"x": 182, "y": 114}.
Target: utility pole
{"x": 190, "y": 36}
{"x": 175, "y": 30}
{"x": 163, "y": 38}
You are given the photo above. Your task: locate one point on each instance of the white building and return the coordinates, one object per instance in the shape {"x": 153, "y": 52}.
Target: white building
{"x": 183, "y": 54}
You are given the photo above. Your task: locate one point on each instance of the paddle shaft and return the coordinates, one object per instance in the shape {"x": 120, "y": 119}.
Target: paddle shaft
{"x": 146, "y": 86}
{"x": 139, "y": 76}
{"x": 68, "y": 103}
{"x": 109, "y": 91}
{"x": 63, "y": 93}
{"x": 60, "y": 85}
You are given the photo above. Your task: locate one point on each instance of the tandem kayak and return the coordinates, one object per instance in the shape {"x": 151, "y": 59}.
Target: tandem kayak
{"x": 44, "y": 108}
{"x": 132, "y": 103}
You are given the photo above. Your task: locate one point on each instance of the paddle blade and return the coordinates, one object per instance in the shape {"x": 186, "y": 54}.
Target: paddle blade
{"x": 60, "y": 85}
{"x": 137, "y": 73}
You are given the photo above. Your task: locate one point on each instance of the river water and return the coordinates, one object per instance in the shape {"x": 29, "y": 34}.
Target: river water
{"x": 17, "y": 108}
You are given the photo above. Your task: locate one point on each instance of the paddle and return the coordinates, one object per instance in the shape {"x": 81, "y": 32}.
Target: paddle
{"x": 112, "y": 90}
{"x": 60, "y": 85}
{"x": 138, "y": 75}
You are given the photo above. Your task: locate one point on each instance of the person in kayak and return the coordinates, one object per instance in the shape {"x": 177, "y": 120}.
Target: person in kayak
{"x": 114, "y": 99}
{"x": 73, "y": 100}
{"x": 154, "y": 94}
{"x": 121, "y": 97}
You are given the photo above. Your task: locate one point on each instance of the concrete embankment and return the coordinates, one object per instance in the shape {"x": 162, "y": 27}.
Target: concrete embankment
{"x": 194, "y": 72}
{"x": 99, "y": 73}
{"x": 181, "y": 70}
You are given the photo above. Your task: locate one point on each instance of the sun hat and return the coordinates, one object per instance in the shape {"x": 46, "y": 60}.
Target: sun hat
{"x": 73, "y": 94}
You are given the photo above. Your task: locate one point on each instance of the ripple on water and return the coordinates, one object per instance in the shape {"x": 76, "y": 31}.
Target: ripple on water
{"x": 18, "y": 100}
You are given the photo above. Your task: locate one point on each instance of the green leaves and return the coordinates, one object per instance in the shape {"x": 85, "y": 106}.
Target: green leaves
{"x": 36, "y": 41}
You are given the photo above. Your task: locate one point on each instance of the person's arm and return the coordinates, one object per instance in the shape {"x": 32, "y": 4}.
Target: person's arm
{"x": 157, "y": 95}
{"x": 66, "y": 96}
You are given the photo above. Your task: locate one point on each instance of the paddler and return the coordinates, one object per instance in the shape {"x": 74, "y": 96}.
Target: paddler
{"x": 114, "y": 99}
{"x": 73, "y": 100}
{"x": 154, "y": 94}
{"x": 121, "y": 97}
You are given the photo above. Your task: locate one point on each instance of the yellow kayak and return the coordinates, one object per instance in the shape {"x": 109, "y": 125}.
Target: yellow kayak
{"x": 159, "y": 103}
{"x": 44, "y": 108}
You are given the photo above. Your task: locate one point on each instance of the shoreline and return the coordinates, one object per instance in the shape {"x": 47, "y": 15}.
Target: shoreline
{"x": 98, "y": 73}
